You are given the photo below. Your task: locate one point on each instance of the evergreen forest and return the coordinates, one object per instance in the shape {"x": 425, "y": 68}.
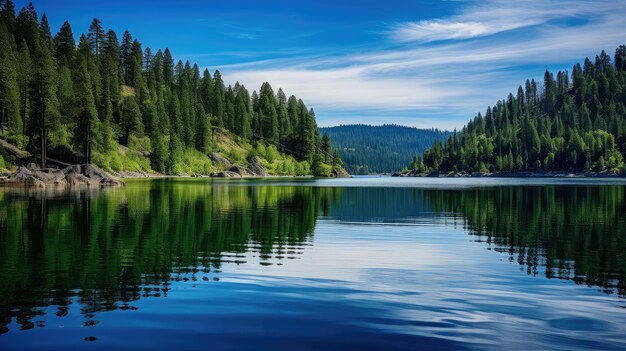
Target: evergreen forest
{"x": 126, "y": 107}
{"x": 569, "y": 122}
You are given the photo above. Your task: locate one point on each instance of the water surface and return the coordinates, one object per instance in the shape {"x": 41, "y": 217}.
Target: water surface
{"x": 359, "y": 264}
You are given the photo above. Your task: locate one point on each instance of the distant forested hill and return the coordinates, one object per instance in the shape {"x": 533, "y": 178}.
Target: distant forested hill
{"x": 380, "y": 149}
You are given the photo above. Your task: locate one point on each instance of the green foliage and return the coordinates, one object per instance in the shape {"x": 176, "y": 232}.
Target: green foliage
{"x": 195, "y": 162}
{"x": 269, "y": 153}
{"x": 9, "y": 88}
{"x": 4, "y": 160}
{"x": 303, "y": 168}
{"x": 321, "y": 169}
{"x": 336, "y": 159}
{"x": 562, "y": 127}
{"x": 130, "y": 118}
{"x": 127, "y": 160}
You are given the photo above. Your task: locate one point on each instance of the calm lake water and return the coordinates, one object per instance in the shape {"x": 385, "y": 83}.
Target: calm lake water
{"x": 354, "y": 264}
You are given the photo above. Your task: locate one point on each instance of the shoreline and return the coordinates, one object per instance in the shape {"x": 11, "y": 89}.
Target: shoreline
{"x": 174, "y": 176}
{"x": 87, "y": 175}
{"x": 555, "y": 174}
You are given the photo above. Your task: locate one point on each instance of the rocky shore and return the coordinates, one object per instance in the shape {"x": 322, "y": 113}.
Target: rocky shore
{"x": 87, "y": 175}
{"x": 256, "y": 168}
{"x": 71, "y": 176}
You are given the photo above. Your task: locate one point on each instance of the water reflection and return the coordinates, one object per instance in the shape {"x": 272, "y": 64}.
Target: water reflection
{"x": 109, "y": 248}
{"x": 568, "y": 232}
{"x": 573, "y": 233}
{"x": 103, "y": 250}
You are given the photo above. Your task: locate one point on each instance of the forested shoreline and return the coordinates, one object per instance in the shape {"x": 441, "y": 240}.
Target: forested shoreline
{"x": 571, "y": 122}
{"x": 113, "y": 103}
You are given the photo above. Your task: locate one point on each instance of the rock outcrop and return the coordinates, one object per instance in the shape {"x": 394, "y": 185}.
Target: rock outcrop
{"x": 225, "y": 174}
{"x": 219, "y": 160}
{"x": 242, "y": 171}
{"x": 232, "y": 170}
{"x": 72, "y": 176}
{"x": 257, "y": 167}
{"x": 340, "y": 173}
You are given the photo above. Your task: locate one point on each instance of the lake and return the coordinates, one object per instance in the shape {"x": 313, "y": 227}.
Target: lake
{"x": 346, "y": 264}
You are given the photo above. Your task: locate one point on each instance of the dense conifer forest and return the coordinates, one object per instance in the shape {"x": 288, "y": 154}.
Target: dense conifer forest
{"x": 123, "y": 106}
{"x": 568, "y": 122}
{"x": 367, "y": 149}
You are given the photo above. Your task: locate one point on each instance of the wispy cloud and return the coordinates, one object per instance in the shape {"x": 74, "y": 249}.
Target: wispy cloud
{"x": 246, "y": 36}
{"x": 492, "y": 17}
{"x": 445, "y": 69}
{"x": 438, "y": 30}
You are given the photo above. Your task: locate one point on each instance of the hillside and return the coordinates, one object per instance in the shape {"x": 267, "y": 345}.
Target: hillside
{"x": 125, "y": 107}
{"x": 369, "y": 149}
{"x": 571, "y": 122}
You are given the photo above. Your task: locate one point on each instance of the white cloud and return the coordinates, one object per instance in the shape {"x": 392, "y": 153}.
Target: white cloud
{"x": 492, "y": 17}
{"x": 441, "y": 30}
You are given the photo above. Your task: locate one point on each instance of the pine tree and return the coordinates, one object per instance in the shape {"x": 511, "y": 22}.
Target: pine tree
{"x": 65, "y": 45}
{"x": 242, "y": 111}
{"x": 620, "y": 58}
{"x": 7, "y": 14}
{"x": 218, "y": 99}
{"x": 203, "y": 140}
{"x": 24, "y": 77}
{"x": 283, "y": 119}
{"x": 135, "y": 76}
{"x": 45, "y": 31}
{"x": 125, "y": 56}
{"x": 112, "y": 74}
{"x": 175, "y": 154}
{"x": 326, "y": 148}
{"x": 168, "y": 67}
{"x": 130, "y": 118}
{"x": 96, "y": 37}
{"x": 9, "y": 88}
{"x": 86, "y": 115}
{"x": 267, "y": 114}
{"x": 44, "y": 112}
{"x": 159, "y": 157}
{"x": 27, "y": 27}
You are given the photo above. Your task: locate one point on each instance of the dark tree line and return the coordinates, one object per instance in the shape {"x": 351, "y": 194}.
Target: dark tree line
{"x": 85, "y": 97}
{"x": 568, "y": 122}
{"x": 369, "y": 149}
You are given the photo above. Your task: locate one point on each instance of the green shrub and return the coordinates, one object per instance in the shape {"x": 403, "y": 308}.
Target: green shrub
{"x": 322, "y": 170}
{"x": 237, "y": 157}
{"x": 3, "y": 164}
{"x": 302, "y": 168}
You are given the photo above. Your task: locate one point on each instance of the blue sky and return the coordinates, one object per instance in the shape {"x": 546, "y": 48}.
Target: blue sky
{"x": 420, "y": 63}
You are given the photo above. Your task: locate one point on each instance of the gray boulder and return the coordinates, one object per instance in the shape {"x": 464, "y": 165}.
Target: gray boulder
{"x": 243, "y": 171}
{"x": 340, "y": 173}
{"x": 219, "y": 160}
{"x": 76, "y": 175}
{"x": 257, "y": 167}
{"x": 225, "y": 174}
